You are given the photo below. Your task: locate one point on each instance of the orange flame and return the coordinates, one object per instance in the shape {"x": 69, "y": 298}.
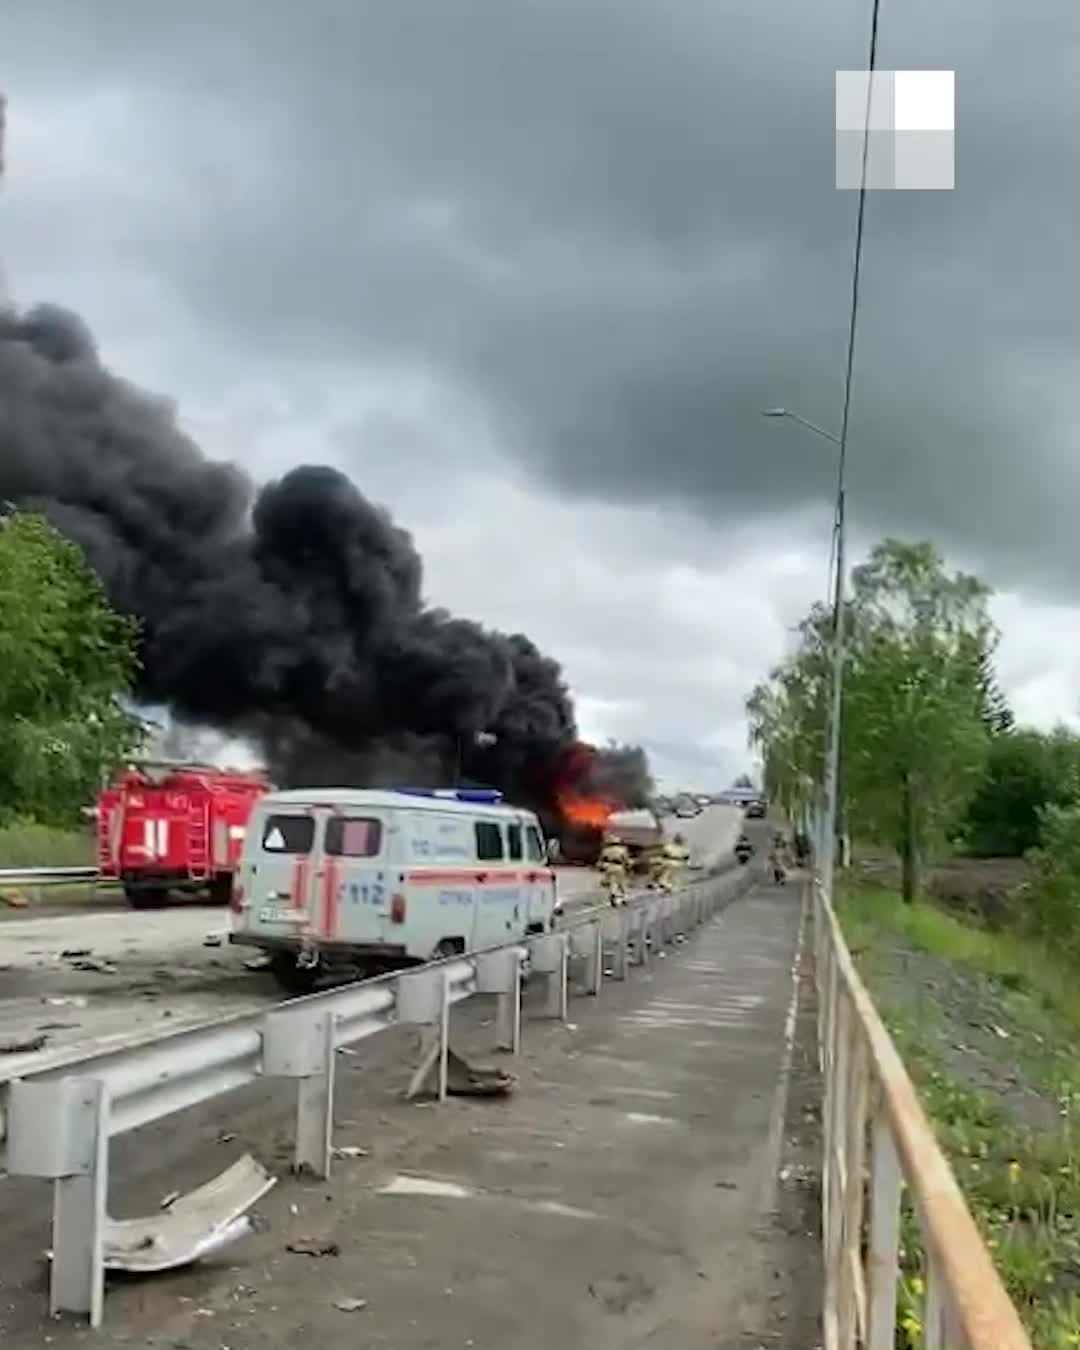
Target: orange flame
{"x": 586, "y": 811}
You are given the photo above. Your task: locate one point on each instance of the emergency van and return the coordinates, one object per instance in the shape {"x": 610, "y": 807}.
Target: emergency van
{"x": 360, "y": 881}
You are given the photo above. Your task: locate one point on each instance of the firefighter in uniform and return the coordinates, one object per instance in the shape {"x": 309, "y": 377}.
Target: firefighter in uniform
{"x": 613, "y": 865}
{"x": 669, "y": 862}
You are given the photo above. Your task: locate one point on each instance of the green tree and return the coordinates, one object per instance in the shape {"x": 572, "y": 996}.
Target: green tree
{"x": 1026, "y": 771}
{"x": 914, "y": 735}
{"x": 66, "y": 660}
{"x": 916, "y": 739}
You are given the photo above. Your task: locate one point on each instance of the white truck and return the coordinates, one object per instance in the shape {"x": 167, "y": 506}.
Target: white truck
{"x": 641, "y": 832}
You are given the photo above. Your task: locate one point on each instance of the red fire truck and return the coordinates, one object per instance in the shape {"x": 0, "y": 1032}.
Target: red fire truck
{"x": 165, "y": 826}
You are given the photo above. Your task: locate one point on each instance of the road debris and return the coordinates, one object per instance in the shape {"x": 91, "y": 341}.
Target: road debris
{"x": 94, "y": 966}
{"x": 350, "y": 1151}
{"x": 16, "y": 901}
{"x": 66, "y": 1001}
{"x": 169, "y": 1200}
{"x": 189, "y": 1227}
{"x": 350, "y": 1304}
{"x": 26, "y": 1046}
{"x": 73, "y": 953}
{"x": 308, "y": 1246}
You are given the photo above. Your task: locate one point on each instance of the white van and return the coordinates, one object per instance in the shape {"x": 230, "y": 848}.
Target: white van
{"x": 367, "y": 880}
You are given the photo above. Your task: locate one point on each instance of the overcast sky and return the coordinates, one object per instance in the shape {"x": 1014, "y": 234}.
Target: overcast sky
{"x": 528, "y": 271}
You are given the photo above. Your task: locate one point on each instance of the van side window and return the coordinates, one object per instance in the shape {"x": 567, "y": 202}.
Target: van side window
{"x": 288, "y": 834}
{"x": 489, "y": 841}
{"x": 513, "y": 843}
{"x": 353, "y": 837}
{"x": 534, "y": 842}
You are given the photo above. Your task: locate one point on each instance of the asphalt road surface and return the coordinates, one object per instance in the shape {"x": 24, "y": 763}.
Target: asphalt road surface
{"x": 626, "y": 1195}
{"x": 107, "y": 977}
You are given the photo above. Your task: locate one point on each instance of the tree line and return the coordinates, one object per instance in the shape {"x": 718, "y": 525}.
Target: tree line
{"x": 67, "y": 664}
{"x": 932, "y": 761}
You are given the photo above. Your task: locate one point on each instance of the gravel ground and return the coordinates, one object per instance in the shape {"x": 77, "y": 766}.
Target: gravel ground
{"x": 991, "y": 1038}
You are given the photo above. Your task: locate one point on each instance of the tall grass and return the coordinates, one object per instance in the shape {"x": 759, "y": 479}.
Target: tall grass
{"x": 1020, "y": 963}
{"x": 25, "y": 843}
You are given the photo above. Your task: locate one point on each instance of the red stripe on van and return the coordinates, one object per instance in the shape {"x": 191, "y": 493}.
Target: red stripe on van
{"x": 299, "y": 883}
{"x": 476, "y": 876}
{"x": 329, "y": 899}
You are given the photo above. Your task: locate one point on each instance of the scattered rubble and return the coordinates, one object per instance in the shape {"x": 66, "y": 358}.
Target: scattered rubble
{"x": 27, "y": 1046}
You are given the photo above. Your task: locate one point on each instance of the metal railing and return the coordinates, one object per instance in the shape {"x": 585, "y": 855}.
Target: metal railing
{"x": 47, "y": 876}
{"x": 56, "y": 1121}
{"x": 877, "y": 1140}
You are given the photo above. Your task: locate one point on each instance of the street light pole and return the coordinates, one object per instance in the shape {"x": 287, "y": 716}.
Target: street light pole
{"x": 830, "y": 824}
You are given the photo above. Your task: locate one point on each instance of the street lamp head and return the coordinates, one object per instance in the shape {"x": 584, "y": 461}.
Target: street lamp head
{"x": 774, "y": 412}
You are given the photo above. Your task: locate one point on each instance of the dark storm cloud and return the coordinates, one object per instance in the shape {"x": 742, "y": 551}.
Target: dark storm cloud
{"x": 613, "y": 226}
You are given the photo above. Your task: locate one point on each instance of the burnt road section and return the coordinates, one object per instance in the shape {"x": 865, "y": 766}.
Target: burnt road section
{"x": 649, "y": 1183}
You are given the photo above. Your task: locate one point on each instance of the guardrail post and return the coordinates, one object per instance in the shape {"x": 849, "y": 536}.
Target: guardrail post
{"x": 834, "y": 1168}
{"x": 550, "y": 958}
{"x": 639, "y": 933}
{"x": 499, "y": 973}
{"x": 883, "y": 1253}
{"x": 667, "y": 920}
{"x": 620, "y": 943}
{"x": 423, "y": 999}
{"x": 939, "y": 1320}
{"x": 299, "y": 1043}
{"x": 59, "y": 1130}
{"x": 850, "y": 1218}
{"x": 594, "y": 959}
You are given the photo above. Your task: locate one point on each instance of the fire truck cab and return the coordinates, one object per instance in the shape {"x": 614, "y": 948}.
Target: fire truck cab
{"x": 167, "y": 826}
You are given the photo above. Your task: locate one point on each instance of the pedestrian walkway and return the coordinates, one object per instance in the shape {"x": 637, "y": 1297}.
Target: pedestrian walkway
{"x": 621, "y": 1198}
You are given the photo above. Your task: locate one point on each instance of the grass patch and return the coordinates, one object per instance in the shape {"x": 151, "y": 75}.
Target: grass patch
{"x": 1023, "y": 1186}
{"x": 28, "y": 844}
{"x": 1019, "y": 964}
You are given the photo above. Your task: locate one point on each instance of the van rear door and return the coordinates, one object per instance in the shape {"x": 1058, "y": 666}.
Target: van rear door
{"x": 279, "y": 868}
{"x": 354, "y": 887}
{"x": 539, "y": 878}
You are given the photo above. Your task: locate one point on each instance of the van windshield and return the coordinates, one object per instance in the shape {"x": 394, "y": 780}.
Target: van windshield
{"x": 288, "y": 834}
{"x": 353, "y": 836}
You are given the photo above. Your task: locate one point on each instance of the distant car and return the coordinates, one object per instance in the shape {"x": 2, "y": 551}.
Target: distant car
{"x": 687, "y": 810}
{"x": 755, "y": 811}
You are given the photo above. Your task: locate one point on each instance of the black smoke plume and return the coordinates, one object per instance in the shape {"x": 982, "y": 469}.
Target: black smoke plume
{"x": 293, "y": 614}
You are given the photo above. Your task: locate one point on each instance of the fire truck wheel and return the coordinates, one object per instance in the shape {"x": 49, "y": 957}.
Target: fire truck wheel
{"x": 293, "y": 979}
{"x": 146, "y": 897}
{"x": 221, "y": 890}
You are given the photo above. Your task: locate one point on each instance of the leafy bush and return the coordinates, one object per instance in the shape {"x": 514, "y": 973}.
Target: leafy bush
{"x": 1052, "y": 901}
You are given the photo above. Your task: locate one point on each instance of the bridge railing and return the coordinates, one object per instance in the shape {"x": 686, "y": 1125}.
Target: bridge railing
{"x": 877, "y": 1142}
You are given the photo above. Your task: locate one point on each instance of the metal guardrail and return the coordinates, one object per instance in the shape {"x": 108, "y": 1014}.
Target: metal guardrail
{"x": 47, "y": 876}
{"x": 58, "y": 1119}
{"x": 877, "y": 1140}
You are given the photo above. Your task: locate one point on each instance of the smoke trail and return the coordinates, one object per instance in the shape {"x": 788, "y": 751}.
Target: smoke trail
{"x": 292, "y": 614}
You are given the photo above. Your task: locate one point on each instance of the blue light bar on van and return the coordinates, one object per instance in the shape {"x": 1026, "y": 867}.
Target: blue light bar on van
{"x": 480, "y": 796}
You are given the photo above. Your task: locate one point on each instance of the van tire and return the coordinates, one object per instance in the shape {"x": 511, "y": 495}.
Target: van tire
{"x": 220, "y": 889}
{"x": 146, "y": 897}
{"x": 447, "y": 948}
{"x": 292, "y": 978}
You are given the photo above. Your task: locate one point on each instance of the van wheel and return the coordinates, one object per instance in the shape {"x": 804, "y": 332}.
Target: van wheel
{"x": 447, "y": 948}
{"x": 220, "y": 889}
{"x": 146, "y": 897}
{"x": 292, "y": 978}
